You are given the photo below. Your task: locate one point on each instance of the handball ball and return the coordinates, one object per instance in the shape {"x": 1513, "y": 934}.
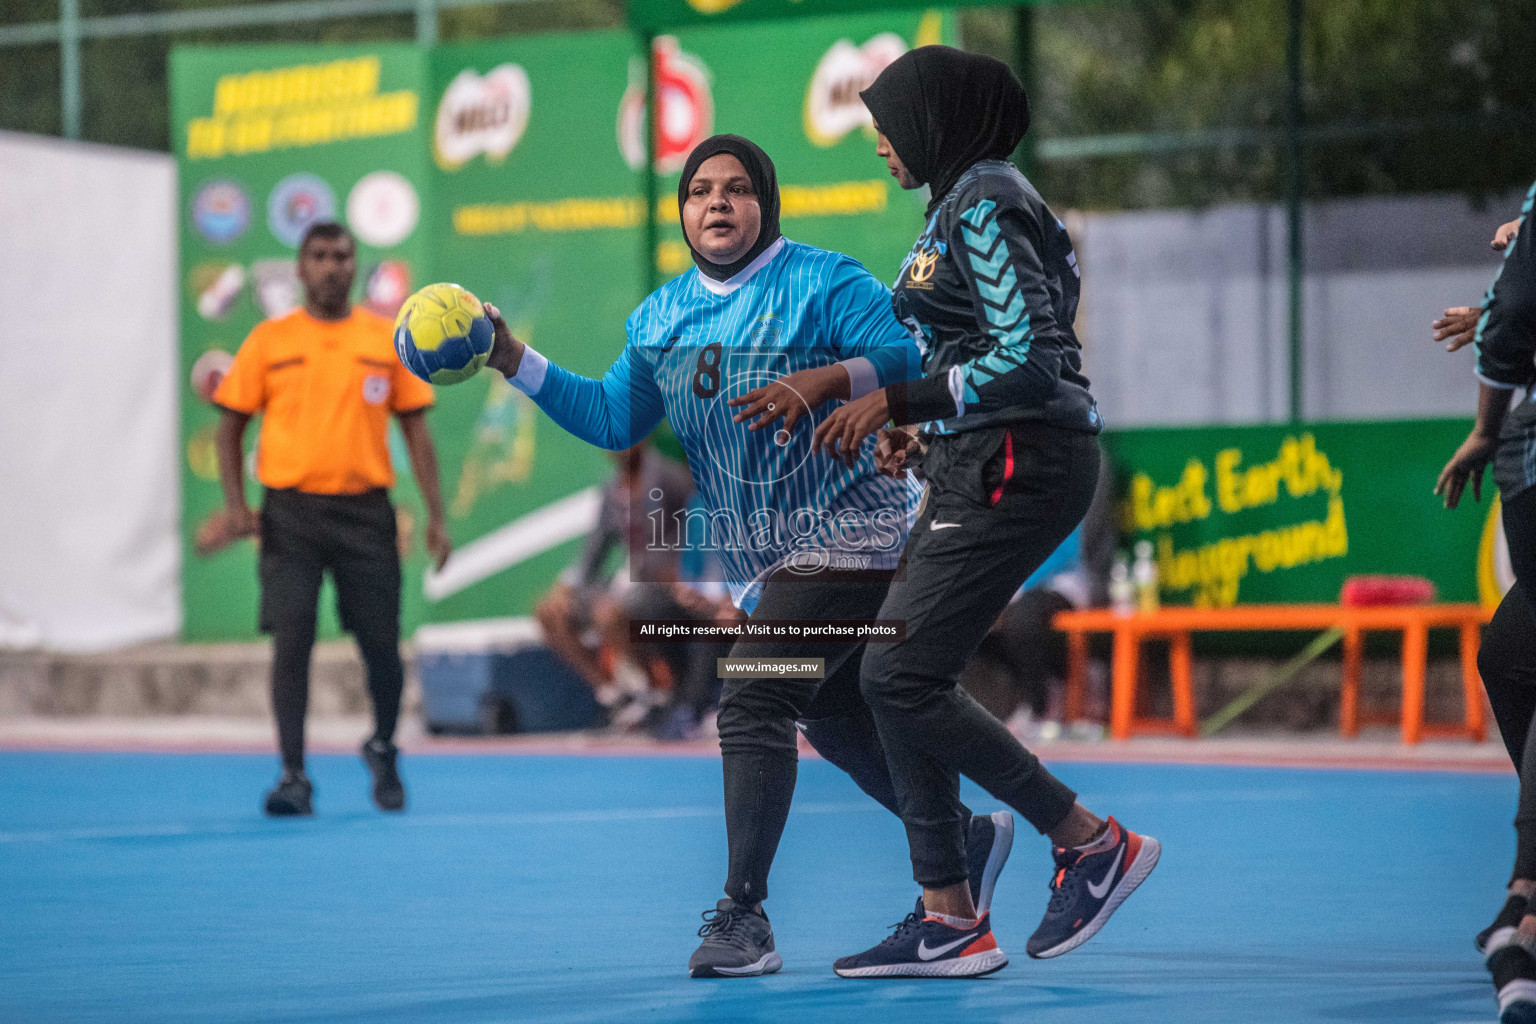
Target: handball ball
{"x": 442, "y": 334}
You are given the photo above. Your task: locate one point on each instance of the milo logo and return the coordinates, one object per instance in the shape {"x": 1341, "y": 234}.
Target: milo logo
{"x": 832, "y": 104}
{"x": 481, "y": 114}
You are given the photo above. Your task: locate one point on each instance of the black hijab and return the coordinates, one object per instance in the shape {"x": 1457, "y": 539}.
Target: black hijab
{"x": 765, "y": 183}
{"x": 944, "y": 109}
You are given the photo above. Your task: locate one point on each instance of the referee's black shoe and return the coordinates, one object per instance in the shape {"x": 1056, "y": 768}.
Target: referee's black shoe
{"x": 291, "y": 797}
{"x": 1503, "y": 927}
{"x": 388, "y": 791}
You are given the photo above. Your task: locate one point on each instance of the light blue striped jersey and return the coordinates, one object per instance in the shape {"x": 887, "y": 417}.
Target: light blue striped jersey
{"x": 696, "y": 343}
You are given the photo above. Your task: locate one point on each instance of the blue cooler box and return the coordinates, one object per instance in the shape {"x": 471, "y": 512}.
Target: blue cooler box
{"x": 496, "y": 676}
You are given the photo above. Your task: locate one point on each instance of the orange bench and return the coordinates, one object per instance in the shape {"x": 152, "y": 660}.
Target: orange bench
{"x": 1177, "y": 623}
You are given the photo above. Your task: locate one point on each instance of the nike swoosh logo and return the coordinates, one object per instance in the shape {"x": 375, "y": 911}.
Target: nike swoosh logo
{"x": 936, "y": 525}
{"x": 1098, "y": 891}
{"x": 924, "y": 953}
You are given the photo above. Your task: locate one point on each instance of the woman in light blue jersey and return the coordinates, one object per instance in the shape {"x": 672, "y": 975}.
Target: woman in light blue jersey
{"x": 762, "y": 327}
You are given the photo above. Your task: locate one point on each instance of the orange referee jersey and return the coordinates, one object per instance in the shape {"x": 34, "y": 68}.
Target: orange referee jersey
{"x": 326, "y": 389}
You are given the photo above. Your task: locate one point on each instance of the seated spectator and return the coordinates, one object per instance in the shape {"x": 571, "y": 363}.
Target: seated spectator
{"x": 585, "y": 615}
{"x": 668, "y": 687}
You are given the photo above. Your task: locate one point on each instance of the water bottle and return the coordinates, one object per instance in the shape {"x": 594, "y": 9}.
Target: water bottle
{"x": 1144, "y": 573}
{"x": 1122, "y": 592}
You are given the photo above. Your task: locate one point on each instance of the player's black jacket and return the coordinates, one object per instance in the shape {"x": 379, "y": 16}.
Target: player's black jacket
{"x": 1506, "y": 355}
{"x": 991, "y": 288}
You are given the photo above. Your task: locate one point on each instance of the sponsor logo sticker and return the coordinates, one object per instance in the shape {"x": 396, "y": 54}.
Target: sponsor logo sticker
{"x": 297, "y": 202}
{"x": 221, "y": 212}
{"x": 920, "y": 269}
{"x": 277, "y": 289}
{"x": 208, "y": 372}
{"x": 832, "y": 104}
{"x": 388, "y": 285}
{"x": 481, "y": 114}
{"x": 375, "y": 388}
{"x": 383, "y": 209}
{"x": 215, "y": 288}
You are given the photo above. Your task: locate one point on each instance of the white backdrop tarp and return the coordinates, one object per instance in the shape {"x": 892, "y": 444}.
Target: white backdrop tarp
{"x": 90, "y": 553}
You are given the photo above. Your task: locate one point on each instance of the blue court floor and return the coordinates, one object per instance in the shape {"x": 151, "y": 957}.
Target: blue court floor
{"x": 147, "y": 888}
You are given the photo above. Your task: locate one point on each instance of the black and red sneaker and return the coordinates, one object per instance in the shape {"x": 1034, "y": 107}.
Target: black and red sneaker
{"x": 925, "y": 947}
{"x": 1089, "y": 887}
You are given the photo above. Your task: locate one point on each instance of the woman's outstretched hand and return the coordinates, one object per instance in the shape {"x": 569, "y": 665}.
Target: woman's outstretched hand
{"x": 1457, "y": 326}
{"x": 506, "y": 352}
{"x": 894, "y": 450}
{"x": 1467, "y": 464}
{"x": 790, "y": 397}
{"x": 842, "y": 433}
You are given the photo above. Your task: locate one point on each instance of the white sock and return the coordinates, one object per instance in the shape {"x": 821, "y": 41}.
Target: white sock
{"x": 1106, "y": 841}
{"x": 958, "y": 923}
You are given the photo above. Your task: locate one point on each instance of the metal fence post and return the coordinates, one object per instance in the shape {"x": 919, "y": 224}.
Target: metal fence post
{"x": 650, "y": 235}
{"x": 426, "y": 22}
{"x": 69, "y": 67}
{"x": 1294, "y": 179}
{"x": 1024, "y": 63}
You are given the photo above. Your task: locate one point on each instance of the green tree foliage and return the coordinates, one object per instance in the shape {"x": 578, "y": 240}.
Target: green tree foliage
{"x": 1402, "y": 95}
{"x": 125, "y": 91}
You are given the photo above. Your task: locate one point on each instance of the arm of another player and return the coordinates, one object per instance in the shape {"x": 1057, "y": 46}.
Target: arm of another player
{"x": 1478, "y": 449}
{"x": 1457, "y": 326}
{"x": 1505, "y": 333}
{"x": 612, "y": 413}
{"x": 423, "y": 454}
{"x": 853, "y": 310}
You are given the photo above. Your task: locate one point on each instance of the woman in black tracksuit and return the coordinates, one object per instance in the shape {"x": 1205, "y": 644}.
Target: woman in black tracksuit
{"x": 1011, "y": 460}
{"x": 1506, "y": 360}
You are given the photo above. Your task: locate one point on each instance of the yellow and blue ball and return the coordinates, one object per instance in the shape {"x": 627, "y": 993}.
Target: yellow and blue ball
{"x": 442, "y": 334}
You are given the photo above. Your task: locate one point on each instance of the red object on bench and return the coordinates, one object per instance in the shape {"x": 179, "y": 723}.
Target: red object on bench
{"x": 1382, "y": 591}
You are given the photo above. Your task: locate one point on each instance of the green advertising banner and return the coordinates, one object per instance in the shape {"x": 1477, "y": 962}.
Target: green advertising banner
{"x": 1286, "y": 514}
{"x": 514, "y": 167}
{"x": 794, "y": 90}
{"x": 268, "y": 140}
{"x": 535, "y": 210}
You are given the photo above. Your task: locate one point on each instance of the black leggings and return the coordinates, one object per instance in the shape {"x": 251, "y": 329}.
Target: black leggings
{"x": 998, "y": 503}
{"x": 758, "y": 717}
{"x": 352, "y": 536}
{"x": 1507, "y": 661}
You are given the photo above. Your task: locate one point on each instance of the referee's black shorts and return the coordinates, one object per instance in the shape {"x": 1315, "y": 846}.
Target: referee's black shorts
{"x": 353, "y": 536}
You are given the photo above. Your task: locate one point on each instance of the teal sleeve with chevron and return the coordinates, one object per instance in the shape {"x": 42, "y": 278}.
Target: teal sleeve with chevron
{"x": 1506, "y": 332}
{"x": 996, "y": 251}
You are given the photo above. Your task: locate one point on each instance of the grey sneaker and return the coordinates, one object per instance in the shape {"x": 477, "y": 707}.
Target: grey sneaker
{"x": 987, "y": 845}
{"x": 738, "y": 943}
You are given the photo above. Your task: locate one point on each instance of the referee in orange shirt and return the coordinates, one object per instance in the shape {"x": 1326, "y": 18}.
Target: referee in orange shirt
{"x": 325, "y": 377}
